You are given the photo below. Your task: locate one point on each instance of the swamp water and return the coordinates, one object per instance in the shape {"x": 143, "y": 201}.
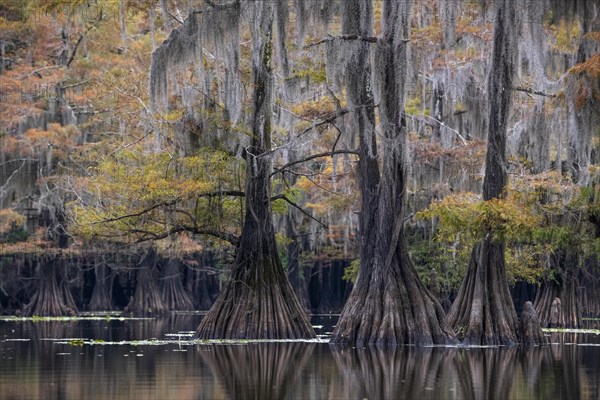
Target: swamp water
{"x": 114, "y": 358}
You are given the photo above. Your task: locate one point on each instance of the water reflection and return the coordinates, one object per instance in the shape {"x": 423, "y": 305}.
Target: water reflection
{"x": 554, "y": 371}
{"x": 401, "y": 372}
{"x": 39, "y": 368}
{"x": 257, "y": 371}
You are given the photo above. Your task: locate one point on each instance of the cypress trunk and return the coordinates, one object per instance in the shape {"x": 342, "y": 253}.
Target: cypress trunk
{"x": 49, "y": 299}
{"x": 173, "y": 292}
{"x": 547, "y": 304}
{"x": 147, "y": 299}
{"x": 483, "y": 312}
{"x": 557, "y": 301}
{"x": 258, "y": 301}
{"x": 389, "y": 304}
{"x": 101, "y": 295}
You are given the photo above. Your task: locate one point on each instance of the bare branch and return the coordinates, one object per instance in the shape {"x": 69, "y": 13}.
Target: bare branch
{"x": 286, "y": 199}
{"x": 370, "y": 39}
{"x": 423, "y": 118}
{"x": 223, "y": 6}
{"x": 225, "y": 236}
{"x": 325, "y": 121}
{"x": 137, "y": 214}
{"x": 81, "y": 38}
{"x": 312, "y": 157}
{"x": 233, "y": 193}
{"x": 531, "y": 91}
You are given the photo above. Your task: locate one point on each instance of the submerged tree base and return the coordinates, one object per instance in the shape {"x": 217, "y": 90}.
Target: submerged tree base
{"x": 147, "y": 299}
{"x": 483, "y": 313}
{"x": 173, "y": 292}
{"x": 392, "y": 308}
{"x": 256, "y": 305}
{"x": 51, "y": 299}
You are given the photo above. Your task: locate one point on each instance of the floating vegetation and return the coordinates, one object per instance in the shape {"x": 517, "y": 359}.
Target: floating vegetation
{"x": 165, "y": 342}
{"x": 566, "y": 330}
{"x": 36, "y": 318}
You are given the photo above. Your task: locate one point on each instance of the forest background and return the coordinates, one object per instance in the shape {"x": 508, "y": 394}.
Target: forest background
{"x": 139, "y": 206}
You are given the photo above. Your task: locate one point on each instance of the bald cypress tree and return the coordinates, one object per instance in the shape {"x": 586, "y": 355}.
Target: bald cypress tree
{"x": 257, "y": 301}
{"x": 483, "y": 312}
{"x": 388, "y": 304}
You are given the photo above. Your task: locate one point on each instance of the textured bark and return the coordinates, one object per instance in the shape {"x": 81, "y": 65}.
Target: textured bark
{"x": 531, "y": 331}
{"x": 101, "y": 295}
{"x": 173, "y": 292}
{"x": 257, "y": 301}
{"x": 571, "y": 315}
{"x": 147, "y": 299}
{"x": 448, "y": 14}
{"x": 557, "y": 301}
{"x": 547, "y": 304}
{"x": 389, "y": 304}
{"x": 483, "y": 312}
{"x": 49, "y": 299}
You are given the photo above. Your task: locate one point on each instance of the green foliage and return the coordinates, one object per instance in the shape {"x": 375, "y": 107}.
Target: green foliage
{"x": 294, "y": 194}
{"x": 449, "y": 262}
{"x": 133, "y": 194}
{"x": 282, "y": 242}
{"x": 11, "y": 227}
{"x": 539, "y": 214}
{"x": 351, "y": 271}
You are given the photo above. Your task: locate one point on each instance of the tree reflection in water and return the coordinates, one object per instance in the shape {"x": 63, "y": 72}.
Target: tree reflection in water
{"x": 34, "y": 367}
{"x": 464, "y": 373}
{"x": 392, "y": 373}
{"x": 257, "y": 371}
{"x": 486, "y": 373}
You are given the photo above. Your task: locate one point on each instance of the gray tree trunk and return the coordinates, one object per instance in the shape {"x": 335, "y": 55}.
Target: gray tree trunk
{"x": 483, "y": 312}
{"x": 389, "y": 304}
{"x": 257, "y": 301}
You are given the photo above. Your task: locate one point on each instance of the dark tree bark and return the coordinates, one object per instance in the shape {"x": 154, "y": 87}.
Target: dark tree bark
{"x": 147, "y": 299}
{"x": 389, "y": 304}
{"x": 257, "y": 301}
{"x": 483, "y": 312}
{"x": 173, "y": 293}
{"x": 547, "y": 304}
{"x": 571, "y": 313}
{"x": 63, "y": 275}
{"x": 101, "y": 295}
{"x": 49, "y": 299}
{"x": 557, "y": 301}
{"x": 531, "y": 331}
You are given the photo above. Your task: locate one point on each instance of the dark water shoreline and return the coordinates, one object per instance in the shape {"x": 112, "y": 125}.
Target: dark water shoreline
{"x": 72, "y": 360}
